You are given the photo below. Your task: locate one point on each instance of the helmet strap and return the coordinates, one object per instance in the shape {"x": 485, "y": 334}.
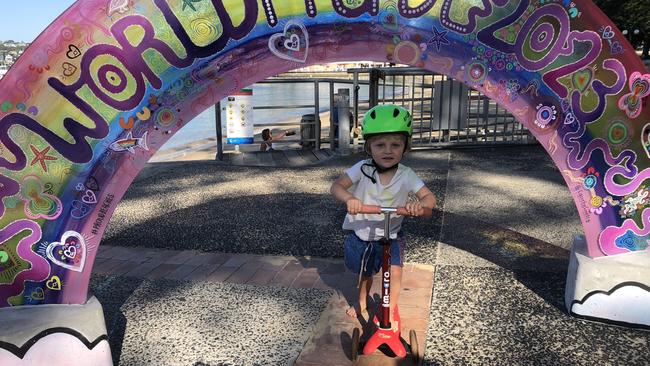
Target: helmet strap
{"x": 376, "y": 169}
{"x": 383, "y": 170}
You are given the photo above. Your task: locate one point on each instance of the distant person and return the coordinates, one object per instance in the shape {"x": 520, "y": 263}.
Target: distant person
{"x": 380, "y": 180}
{"x": 269, "y": 139}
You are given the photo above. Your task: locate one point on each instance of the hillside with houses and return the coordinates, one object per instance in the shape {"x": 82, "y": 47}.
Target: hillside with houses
{"x": 9, "y": 53}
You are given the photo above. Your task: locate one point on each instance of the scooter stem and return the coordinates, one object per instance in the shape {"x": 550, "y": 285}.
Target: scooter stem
{"x": 385, "y": 334}
{"x": 385, "y": 274}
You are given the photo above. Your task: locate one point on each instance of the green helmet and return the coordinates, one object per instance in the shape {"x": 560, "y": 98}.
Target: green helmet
{"x": 388, "y": 118}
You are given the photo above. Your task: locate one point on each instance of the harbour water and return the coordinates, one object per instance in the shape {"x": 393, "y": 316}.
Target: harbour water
{"x": 264, "y": 94}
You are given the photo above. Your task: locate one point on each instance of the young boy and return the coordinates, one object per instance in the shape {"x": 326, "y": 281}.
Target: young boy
{"x": 381, "y": 181}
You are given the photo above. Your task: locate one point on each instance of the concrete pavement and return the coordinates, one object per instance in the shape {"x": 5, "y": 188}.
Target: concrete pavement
{"x": 498, "y": 248}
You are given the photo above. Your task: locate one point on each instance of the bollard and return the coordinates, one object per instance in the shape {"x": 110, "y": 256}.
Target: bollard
{"x": 342, "y": 103}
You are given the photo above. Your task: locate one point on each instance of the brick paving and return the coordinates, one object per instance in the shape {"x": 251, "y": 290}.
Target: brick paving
{"x": 330, "y": 343}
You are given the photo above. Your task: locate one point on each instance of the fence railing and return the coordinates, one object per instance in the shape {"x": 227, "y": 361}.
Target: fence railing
{"x": 446, "y": 113}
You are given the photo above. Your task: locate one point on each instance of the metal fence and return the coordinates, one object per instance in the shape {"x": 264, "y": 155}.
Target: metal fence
{"x": 446, "y": 113}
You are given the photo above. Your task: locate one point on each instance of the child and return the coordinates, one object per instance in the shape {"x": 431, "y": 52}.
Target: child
{"x": 380, "y": 181}
{"x": 268, "y": 138}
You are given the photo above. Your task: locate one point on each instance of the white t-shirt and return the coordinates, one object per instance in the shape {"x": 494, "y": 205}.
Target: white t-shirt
{"x": 394, "y": 194}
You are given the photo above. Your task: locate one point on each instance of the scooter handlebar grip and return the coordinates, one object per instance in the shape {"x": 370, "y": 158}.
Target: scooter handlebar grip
{"x": 374, "y": 209}
{"x": 370, "y": 209}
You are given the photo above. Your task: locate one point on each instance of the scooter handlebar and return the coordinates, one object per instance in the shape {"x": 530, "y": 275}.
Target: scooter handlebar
{"x": 374, "y": 209}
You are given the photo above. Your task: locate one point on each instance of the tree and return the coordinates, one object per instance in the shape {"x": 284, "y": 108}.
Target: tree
{"x": 632, "y": 16}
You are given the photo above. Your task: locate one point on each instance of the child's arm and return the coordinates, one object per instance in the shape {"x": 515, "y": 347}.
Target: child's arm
{"x": 426, "y": 199}
{"x": 340, "y": 191}
{"x": 279, "y": 135}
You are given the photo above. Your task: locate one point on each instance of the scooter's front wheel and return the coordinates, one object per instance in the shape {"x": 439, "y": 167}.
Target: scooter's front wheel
{"x": 415, "y": 355}
{"x": 355, "y": 344}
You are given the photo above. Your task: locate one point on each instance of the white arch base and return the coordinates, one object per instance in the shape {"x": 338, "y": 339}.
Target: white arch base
{"x": 54, "y": 335}
{"x": 614, "y": 289}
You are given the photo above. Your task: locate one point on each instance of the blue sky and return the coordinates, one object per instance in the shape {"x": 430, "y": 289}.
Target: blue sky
{"x": 24, "y": 20}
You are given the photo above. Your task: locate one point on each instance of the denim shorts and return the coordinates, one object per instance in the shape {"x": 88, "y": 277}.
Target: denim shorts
{"x": 354, "y": 249}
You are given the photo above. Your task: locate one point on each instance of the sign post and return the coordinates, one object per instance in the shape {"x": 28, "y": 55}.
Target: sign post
{"x": 239, "y": 118}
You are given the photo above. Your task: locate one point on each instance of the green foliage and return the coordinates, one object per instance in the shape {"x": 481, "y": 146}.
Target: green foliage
{"x": 630, "y": 15}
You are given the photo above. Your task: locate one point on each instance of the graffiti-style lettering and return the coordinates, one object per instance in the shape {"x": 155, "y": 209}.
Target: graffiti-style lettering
{"x": 230, "y": 31}
{"x": 476, "y": 11}
{"x": 414, "y": 12}
{"x": 368, "y": 6}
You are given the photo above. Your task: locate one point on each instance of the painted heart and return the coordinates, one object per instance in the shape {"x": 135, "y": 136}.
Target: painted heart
{"x": 582, "y": 79}
{"x": 89, "y": 197}
{"x": 631, "y": 103}
{"x": 21, "y": 106}
{"x": 69, "y": 69}
{"x": 79, "y": 210}
{"x": 6, "y": 106}
{"x": 38, "y": 294}
{"x": 641, "y": 85}
{"x": 39, "y": 204}
{"x": 55, "y": 251}
{"x": 616, "y": 48}
{"x": 569, "y": 119}
{"x": 92, "y": 184}
{"x": 292, "y": 44}
{"x": 54, "y": 283}
{"x": 70, "y": 252}
{"x": 32, "y": 110}
{"x": 608, "y": 33}
{"x": 73, "y": 52}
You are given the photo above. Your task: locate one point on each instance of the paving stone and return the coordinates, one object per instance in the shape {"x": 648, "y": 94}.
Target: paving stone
{"x": 181, "y": 272}
{"x": 221, "y": 273}
{"x": 244, "y": 273}
{"x": 161, "y": 271}
{"x": 200, "y": 273}
{"x": 143, "y": 269}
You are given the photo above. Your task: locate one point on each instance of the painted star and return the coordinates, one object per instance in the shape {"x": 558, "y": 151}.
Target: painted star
{"x": 187, "y": 3}
{"x": 41, "y": 156}
{"x": 438, "y": 38}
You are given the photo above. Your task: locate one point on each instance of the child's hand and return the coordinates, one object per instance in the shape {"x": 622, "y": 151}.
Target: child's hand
{"x": 414, "y": 208}
{"x": 354, "y": 206}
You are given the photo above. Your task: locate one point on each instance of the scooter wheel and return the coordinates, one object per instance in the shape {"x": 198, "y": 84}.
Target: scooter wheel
{"x": 415, "y": 355}
{"x": 355, "y": 344}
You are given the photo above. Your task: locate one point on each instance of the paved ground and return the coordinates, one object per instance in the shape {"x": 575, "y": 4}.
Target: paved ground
{"x": 238, "y": 308}
{"x": 498, "y": 246}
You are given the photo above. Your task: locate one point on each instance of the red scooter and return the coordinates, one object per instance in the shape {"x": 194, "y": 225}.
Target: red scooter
{"x": 382, "y": 331}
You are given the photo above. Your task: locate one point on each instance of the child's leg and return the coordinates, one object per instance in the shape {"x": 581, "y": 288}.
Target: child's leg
{"x": 361, "y": 307}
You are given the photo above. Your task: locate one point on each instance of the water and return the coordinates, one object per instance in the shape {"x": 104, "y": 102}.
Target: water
{"x": 203, "y": 126}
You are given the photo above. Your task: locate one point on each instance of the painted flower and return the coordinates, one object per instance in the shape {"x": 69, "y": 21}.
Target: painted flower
{"x": 589, "y": 181}
{"x": 597, "y": 205}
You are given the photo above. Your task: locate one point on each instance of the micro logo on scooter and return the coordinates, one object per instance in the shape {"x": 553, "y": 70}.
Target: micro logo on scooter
{"x": 386, "y": 297}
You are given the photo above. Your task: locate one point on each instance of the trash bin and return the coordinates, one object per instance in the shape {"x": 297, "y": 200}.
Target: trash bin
{"x": 308, "y": 130}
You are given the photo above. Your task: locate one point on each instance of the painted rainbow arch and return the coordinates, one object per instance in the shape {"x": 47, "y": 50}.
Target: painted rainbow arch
{"x": 94, "y": 97}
